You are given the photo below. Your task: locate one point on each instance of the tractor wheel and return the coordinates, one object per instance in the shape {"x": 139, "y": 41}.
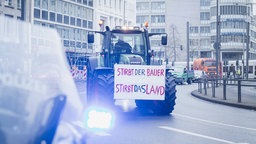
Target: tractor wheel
{"x": 162, "y": 107}
{"x": 102, "y": 89}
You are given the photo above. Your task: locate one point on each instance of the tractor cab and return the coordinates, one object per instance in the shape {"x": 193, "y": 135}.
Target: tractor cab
{"x": 126, "y": 45}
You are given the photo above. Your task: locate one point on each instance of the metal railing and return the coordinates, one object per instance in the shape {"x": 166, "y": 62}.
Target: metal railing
{"x": 206, "y": 86}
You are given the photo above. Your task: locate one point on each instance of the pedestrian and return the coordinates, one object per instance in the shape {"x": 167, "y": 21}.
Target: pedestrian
{"x": 238, "y": 73}
{"x": 232, "y": 71}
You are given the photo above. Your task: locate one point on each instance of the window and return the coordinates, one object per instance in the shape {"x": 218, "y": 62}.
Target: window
{"x": 204, "y": 29}
{"x": 36, "y": 13}
{"x": 78, "y": 22}
{"x": 59, "y": 6}
{"x": 19, "y": 4}
{"x": 52, "y": 16}
{"x": 52, "y": 5}
{"x": 233, "y": 10}
{"x": 250, "y": 69}
{"x": 78, "y": 11}
{"x": 204, "y": 42}
{"x": 193, "y": 42}
{"x": 65, "y": 33}
{"x": 84, "y": 45}
{"x": 72, "y": 34}
{"x": 65, "y": 8}
{"x": 8, "y": 2}
{"x": 84, "y": 13}
{"x": 85, "y": 2}
{"x": 160, "y": 30}
{"x": 84, "y": 24}
{"x": 90, "y": 2}
{"x": 158, "y": 6}
{"x": 45, "y": 15}
{"x": 37, "y": 3}
{"x": 142, "y": 19}
{"x": 204, "y": 16}
{"x": 66, "y": 19}
{"x": 44, "y": 4}
{"x": 158, "y": 18}
{"x": 142, "y": 6}
{"x": 89, "y": 14}
{"x": 90, "y": 24}
{"x": 193, "y": 29}
{"x": 72, "y": 21}
{"x": 71, "y": 9}
{"x": 78, "y": 35}
{"x": 9, "y": 16}
{"x": 205, "y": 2}
{"x": 59, "y": 18}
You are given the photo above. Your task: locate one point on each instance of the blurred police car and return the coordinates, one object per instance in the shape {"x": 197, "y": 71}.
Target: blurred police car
{"x": 39, "y": 102}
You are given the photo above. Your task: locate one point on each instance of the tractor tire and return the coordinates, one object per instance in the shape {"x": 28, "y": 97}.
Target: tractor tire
{"x": 102, "y": 89}
{"x": 162, "y": 107}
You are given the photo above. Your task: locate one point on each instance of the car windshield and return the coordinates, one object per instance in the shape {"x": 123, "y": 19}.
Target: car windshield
{"x": 210, "y": 63}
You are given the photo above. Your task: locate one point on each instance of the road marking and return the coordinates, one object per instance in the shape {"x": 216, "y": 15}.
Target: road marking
{"x": 196, "y": 134}
{"x": 102, "y": 134}
{"x": 216, "y": 123}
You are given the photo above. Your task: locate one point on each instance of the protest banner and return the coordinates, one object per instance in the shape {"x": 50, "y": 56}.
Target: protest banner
{"x": 139, "y": 82}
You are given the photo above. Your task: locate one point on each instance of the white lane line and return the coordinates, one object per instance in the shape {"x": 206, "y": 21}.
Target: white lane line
{"x": 196, "y": 134}
{"x": 102, "y": 134}
{"x": 212, "y": 122}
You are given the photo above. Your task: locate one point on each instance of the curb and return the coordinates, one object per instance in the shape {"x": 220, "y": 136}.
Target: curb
{"x": 221, "y": 101}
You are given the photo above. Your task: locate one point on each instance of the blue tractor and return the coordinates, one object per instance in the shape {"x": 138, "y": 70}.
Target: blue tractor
{"x": 125, "y": 46}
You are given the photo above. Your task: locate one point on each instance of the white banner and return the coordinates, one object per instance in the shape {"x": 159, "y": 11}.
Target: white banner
{"x": 139, "y": 82}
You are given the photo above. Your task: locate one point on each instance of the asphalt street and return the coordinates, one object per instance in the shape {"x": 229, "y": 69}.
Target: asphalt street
{"x": 193, "y": 121}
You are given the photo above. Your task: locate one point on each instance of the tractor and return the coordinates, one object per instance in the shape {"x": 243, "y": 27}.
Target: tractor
{"x": 126, "y": 51}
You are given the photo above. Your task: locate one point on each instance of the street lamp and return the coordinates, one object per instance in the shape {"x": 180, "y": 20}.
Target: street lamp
{"x": 100, "y": 24}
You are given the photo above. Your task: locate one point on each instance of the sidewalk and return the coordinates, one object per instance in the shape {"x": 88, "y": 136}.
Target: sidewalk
{"x": 248, "y": 96}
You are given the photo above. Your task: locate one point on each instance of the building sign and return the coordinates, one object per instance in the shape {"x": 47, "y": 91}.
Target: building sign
{"x": 139, "y": 82}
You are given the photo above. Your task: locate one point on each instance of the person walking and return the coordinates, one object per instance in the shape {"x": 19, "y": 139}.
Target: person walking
{"x": 238, "y": 73}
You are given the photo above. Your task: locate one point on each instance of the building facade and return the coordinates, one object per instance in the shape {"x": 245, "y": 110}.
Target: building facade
{"x": 11, "y": 8}
{"x": 170, "y": 17}
{"x": 112, "y": 13}
{"x": 235, "y": 16}
{"x": 72, "y": 19}
{"x": 154, "y": 13}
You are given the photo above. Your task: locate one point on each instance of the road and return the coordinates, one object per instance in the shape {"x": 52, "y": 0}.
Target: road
{"x": 193, "y": 121}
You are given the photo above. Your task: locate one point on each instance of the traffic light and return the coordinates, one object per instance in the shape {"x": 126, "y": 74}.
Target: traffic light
{"x": 237, "y": 62}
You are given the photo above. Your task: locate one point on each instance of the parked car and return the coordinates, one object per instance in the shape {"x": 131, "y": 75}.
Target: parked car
{"x": 181, "y": 75}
